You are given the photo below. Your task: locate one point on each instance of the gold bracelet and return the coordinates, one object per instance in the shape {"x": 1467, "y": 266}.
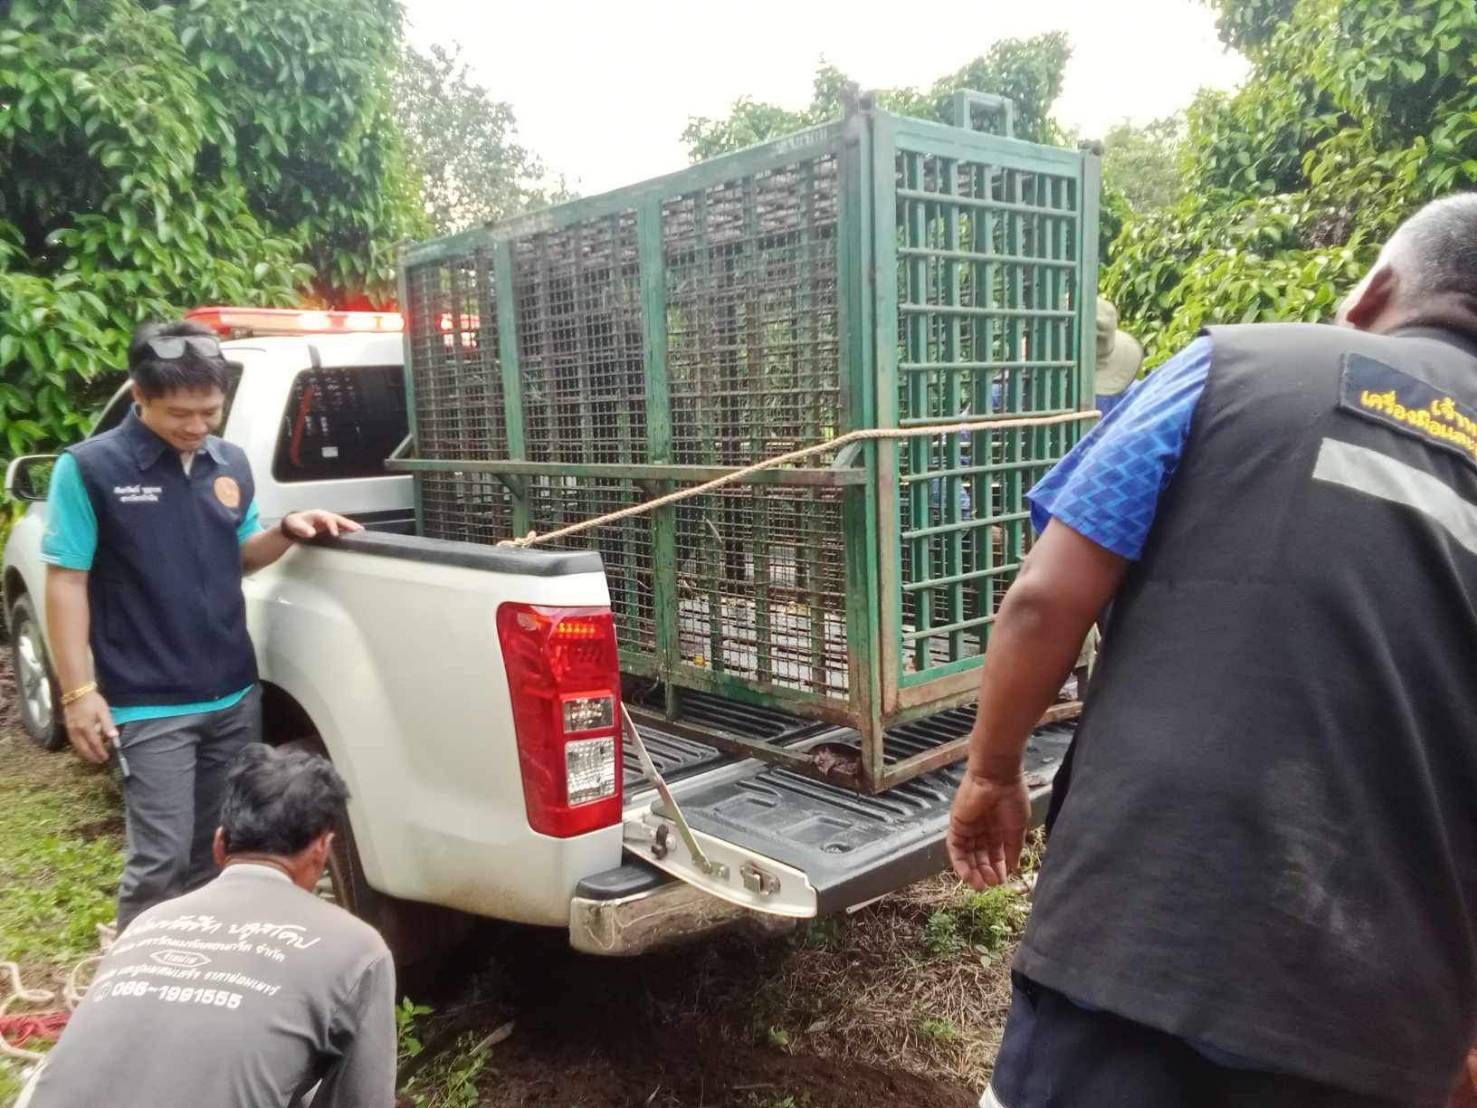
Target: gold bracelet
{"x": 70, "y": 698}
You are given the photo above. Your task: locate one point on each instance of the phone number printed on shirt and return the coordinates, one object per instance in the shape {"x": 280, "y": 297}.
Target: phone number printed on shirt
{"x": 171, "y": 994}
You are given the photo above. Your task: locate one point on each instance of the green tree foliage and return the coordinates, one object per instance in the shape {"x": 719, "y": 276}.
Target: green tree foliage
{"x": 464, "y": 144}
{"x": 1354, "y": 115}
{"x": 1029, "y": 71}
{"x": 1247, "y": 25}
{"x": 1141, "y": 163}
{"x": 158, "y": 156}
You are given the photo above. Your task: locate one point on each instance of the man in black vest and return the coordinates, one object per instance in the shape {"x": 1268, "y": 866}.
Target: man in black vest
{"x": 1261, "y": 885}
{"x": 149, "y": 529}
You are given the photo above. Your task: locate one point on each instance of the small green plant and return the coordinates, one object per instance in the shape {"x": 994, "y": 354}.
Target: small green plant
{"x": 941, "y": 935}
{"x": 777, "y": 1036}
{"x": 993, "y": 918}
{"x": 981, "y": 922}
{"x": 450, "y": 1081}
{"x": 940, "y": 1030}
{"x": 407, "y": 1020}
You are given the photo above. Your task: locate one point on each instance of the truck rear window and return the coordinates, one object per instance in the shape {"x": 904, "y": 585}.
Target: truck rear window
{"x": 341, "y": 423}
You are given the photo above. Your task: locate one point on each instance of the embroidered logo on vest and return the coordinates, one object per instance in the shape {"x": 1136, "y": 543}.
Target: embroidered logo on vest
{"x": 137, "y": 494}
{"x": 228, "y": 492}
{"x": 1375, "y": 391}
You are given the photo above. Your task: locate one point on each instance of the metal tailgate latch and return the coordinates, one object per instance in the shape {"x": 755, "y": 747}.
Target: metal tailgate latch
{"x": 660, "y": 844}
{"x": 759, "y": 881}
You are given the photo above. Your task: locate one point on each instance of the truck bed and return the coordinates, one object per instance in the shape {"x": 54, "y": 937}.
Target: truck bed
{"x": 853, "y": 847}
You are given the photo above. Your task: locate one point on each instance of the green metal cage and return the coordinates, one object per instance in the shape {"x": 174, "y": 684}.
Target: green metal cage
{"x": 878, "y": 271}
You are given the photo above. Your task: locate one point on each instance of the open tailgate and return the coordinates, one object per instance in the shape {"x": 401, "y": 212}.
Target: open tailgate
{"x": 789, "y": 845}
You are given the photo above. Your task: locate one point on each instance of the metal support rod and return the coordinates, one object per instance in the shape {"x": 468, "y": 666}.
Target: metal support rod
{"x": 648, "y": 767}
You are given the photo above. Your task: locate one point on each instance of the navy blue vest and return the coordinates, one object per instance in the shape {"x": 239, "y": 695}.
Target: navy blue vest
{"x": 1268, "y": 842}
{"x": 168, "y": 617}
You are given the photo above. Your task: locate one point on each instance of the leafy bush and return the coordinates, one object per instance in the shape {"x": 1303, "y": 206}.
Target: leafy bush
{"x": 1354, "y": 115}
{"x": 159, "y": 156}
{"x": 464, "y": 144}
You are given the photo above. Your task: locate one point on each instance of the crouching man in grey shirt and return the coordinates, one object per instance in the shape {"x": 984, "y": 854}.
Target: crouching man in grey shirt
{"x": 249, "y": 991}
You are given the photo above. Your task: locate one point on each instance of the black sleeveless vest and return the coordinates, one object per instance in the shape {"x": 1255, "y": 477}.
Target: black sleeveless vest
{"x": 168, "y": 617}
{"x": 1269, "y": 841}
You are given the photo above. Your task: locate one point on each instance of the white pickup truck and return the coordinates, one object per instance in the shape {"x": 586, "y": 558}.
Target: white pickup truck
{"x": 469, "y": 696}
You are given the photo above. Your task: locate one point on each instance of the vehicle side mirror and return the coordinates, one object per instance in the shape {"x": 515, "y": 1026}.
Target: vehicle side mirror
{"x": 29, "y": 476}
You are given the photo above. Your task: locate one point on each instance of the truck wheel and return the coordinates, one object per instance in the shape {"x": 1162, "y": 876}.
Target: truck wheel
{"x": 37, "y": 694}
{"x": 418, "y": 935}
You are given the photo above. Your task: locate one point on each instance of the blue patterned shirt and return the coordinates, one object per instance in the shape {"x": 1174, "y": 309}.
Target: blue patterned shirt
{"x": 1107, "y": 488}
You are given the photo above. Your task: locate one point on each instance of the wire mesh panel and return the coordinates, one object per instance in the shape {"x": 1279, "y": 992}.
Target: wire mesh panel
{"x": 465, "y": 507}
{"x": 753, "y": 369}
{"x": 761, "y": 587}
{"x": 751, "y": 314}
{"x": 987, "y": 324}
{"x": 451, "y": 317}
{"x": 578, "y": 295}
{"x": 624, "y": 546}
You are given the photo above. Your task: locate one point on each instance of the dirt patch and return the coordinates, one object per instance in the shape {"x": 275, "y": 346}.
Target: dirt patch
{"x": 682, "y": 1067}
{"x": 110, "y": 827}
{"x": 848, "y": 1011}
{"x": 10, "y": 719}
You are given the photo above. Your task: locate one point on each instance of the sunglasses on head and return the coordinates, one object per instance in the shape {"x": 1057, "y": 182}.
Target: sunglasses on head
{"x": 174, "y": 347}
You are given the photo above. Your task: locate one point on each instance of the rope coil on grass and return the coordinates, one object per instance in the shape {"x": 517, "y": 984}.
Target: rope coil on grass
{"x": 21, "y": 1027}
{"x": 1008, "y": 423}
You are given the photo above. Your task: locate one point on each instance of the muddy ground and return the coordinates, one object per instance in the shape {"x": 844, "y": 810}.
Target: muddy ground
{"x": 900, "y": 1003}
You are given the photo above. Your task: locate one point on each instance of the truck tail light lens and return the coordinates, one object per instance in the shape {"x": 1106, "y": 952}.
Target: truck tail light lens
{"x": 564, "y": 683}
{"x": 589, "y": 713}
{"x": 589, "y": 769}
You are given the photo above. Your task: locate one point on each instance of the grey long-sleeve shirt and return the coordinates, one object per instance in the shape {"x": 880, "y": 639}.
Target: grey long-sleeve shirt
{"x": 241, "y": 994}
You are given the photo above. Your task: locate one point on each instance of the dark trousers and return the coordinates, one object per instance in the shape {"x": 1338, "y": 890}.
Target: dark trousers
{"x": 1058, "y": 1055}
{"x": 172, "y": 796}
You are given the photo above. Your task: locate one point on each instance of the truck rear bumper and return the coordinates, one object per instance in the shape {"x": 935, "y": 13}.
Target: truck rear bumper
{"x": 635, "y": 909}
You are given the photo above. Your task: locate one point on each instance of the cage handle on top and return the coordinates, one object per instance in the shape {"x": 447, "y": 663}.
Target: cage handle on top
{"x": 1003, "y": 107}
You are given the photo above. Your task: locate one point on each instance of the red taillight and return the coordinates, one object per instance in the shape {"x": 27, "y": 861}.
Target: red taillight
{"x": 564, "y": 681}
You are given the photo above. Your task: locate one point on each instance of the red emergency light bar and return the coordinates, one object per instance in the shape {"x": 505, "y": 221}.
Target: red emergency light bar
{"x": 237, "y": 322}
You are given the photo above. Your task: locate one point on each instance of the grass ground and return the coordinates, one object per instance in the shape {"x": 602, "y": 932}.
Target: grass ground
{"x": 60, "y": 857}
{"x": 900, "y": 1003}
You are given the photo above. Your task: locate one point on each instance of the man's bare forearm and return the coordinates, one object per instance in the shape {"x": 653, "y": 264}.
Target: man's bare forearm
{"x": 265, "y": 547}
{"x": 69, "y": 623}
{"x": 262, "y": 549}
{"x": 1037, "y": 637}
{"x": 1032, "y": 650}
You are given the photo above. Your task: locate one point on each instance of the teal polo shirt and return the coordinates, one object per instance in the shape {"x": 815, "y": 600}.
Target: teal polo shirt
{"x": 71, "y": 542}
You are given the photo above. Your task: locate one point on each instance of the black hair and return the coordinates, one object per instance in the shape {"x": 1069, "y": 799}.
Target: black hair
{"x": 156, "y": 376}
{"x": 279, "y": 801}
{"x": 1439, "y": 245}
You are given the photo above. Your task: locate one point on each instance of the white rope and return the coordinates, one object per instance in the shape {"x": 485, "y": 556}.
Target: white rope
{"x": 1006, "y": 423}
{"x": 18, "y": 991}
{"x": 72, "y": 992}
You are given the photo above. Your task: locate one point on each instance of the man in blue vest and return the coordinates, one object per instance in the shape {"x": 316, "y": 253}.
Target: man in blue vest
{"x": 1261, "y": 883}
{"x": 150, "y": 527}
